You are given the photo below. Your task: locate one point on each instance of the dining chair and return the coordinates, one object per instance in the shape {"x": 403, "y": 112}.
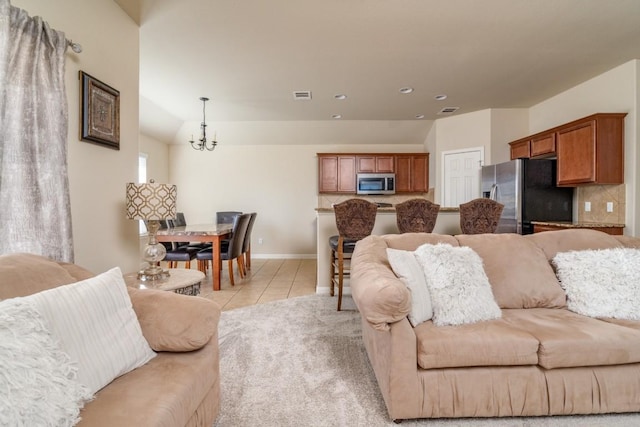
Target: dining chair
{"x": 246, "y": 244}
{"x": 416, "y": 216}
{"x": 355, "y": 219}
{"x": 233, "y": 249}
{"x": 177, "y": 251}
{"x": 226, "y": 217}
{"x": 480, "y": 216}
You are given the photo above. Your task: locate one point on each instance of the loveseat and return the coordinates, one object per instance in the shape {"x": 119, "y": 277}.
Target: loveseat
{"x": 535, "y": 357}
{"x": 178, "y": 386}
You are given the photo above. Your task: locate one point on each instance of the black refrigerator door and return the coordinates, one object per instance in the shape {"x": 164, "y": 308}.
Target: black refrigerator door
{"x": 542, "y": 200}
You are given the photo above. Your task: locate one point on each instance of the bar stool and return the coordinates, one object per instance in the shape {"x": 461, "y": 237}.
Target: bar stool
{"x": 355, "y": 219}
{"x": 416, "y": 216}
{"x": 480, "y": 216}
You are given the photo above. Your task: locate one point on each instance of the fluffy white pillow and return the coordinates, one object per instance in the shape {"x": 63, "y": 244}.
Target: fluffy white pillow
{"x": 601, "y": 283}
{"x": 459, "y": 288}
{"x": 406, "y": 267}
{"x": 96, "y": 325}
{"x": 38, "y": 380}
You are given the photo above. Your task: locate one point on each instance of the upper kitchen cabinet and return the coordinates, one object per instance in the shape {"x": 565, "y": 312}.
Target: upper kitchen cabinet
{"x": 412, "y": 173}
{"x": 591, "y": 150}
{"x": 337, "y": 173}
{"x": 375, "y": 163}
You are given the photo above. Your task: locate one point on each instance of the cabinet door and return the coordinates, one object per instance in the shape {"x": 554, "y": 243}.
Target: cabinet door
{"x": 375, "y": 164}
{"x": 543, "y": 145}
{"x": 346, "y": 174}
{"x": 412, "y": 173}
{"x": 337, "y": 174}
{"x": 520, "y": 149}
{"x": 328, "y": 174}
{"x": 576, "y": 149}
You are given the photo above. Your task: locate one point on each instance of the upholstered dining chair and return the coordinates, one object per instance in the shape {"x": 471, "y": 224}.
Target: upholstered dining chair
{"x": 226, "y": 217}
{"x": 245, "y": 258}
{"x": 233, "y": 249}
{"x": 355, "y": 219}
{"x": 177, "y": 251}
{"x": 480, "y": 216}
{"x": 416, "y": 216}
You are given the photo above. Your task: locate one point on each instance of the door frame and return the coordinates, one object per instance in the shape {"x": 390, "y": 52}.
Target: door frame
{"x": 479, "y": 149}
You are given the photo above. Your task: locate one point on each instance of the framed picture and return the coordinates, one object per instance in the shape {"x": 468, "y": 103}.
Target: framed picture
{"x": 100, "y": 112}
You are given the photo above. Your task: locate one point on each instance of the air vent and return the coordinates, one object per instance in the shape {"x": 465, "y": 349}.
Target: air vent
{"x": 302, "y": 95}
{"x": 448, "y": 110}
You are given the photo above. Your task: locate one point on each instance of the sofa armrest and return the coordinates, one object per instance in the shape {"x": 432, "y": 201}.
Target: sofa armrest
{"x": 172, "y": 322}
{"x": 381, "y": 297}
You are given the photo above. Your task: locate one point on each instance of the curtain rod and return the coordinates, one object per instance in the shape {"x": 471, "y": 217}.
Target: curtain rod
{"x": 76, "y": 47}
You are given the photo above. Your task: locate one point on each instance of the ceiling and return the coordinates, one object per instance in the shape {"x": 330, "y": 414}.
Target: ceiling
{"x": 249, "y": 56}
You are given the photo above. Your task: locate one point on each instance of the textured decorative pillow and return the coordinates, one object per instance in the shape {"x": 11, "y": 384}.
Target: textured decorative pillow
{"x": 96, "y": 326}
{"x": 601, "y": 283}
{"x": 459, "y": 288}
{"x": 38, "y": 380}
{"x": 406, "y": 267}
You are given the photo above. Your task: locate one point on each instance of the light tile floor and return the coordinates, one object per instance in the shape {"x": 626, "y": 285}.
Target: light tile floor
{"x": 268, "y": 280}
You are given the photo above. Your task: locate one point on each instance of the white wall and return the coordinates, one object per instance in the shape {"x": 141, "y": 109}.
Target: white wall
{"x": 157, "y": 160}
{"x": 612, "y": 92}
{"x": 103, "y": 237}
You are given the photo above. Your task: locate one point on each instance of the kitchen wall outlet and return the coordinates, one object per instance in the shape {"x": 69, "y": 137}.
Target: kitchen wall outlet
{"x": 260, "y": 240}
{"x": 609, "y": 206}
{"x": 587, "y": 206}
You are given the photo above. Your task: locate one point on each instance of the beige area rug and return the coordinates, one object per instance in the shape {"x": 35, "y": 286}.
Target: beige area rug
{"x": 299, "y": 362}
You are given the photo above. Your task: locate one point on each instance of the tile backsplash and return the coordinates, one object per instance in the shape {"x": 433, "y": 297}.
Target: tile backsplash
{"x": 599, "y": 196}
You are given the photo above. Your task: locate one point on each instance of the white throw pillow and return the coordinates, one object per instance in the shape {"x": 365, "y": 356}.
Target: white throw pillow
{"x": 601, "y": 283}
{"x": 38, "y": 384}
{"x": 96, "y": 325}
{"x": 406, "y": 267}
{"x": 459, "y": 288}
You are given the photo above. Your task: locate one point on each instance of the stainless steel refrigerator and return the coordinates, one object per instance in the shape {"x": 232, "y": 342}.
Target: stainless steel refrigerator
{"x": 527, "y": 189}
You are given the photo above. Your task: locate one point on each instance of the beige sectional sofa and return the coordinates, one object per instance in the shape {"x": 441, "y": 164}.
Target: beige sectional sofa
{"x": 180, "y": 386}
{"x": 538, "y": 358}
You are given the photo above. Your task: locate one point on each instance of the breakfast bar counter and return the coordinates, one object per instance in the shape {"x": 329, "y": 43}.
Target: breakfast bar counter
{"x": 448, "y": 222}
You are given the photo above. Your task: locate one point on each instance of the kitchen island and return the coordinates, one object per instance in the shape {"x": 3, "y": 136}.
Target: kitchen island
{"x": 448, "y": 222}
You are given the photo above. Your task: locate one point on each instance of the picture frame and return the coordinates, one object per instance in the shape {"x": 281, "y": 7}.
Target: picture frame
{"x": 99, "y": 112}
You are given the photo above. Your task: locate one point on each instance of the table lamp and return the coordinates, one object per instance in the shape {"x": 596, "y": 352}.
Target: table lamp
{"x": 152, "y": 203}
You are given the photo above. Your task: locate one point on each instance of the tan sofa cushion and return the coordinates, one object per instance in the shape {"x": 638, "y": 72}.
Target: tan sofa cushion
{"x": 490, "y": 343}
{"x": 568, "y": 339}
{"x": 629, "y": 241}
{"x": 576, "y": 239}
{"x": 519, "y": 273}
{"x": 172, "y": 322}
{"x": 26, "y": 274}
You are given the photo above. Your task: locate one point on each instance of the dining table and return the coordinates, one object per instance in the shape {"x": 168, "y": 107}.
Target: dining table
{"x": 204, "y": 233}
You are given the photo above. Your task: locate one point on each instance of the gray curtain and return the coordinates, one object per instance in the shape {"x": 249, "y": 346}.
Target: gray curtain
{"x": 35, "y": 214}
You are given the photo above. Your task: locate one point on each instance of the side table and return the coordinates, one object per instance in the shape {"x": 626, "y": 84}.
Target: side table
{"x": 181, "y": 281}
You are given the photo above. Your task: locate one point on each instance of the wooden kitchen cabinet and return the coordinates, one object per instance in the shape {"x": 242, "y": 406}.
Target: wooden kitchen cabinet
{"x": 337, "y": 173}
{"x": 591, "y": 150}
{"x": 543, "y": 145}
{"x": 375, "y": 164}
{"x": 412, "y": 173}
{"x": 520, "y": 149}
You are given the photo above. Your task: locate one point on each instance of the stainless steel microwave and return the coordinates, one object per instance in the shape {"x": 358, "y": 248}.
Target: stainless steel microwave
{"x": 376, "y": 183}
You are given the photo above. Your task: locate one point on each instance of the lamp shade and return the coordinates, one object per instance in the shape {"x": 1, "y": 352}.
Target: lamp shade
{"x": 151, "y": 201}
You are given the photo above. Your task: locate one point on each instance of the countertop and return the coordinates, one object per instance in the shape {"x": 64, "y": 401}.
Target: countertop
{"x": 568, "y": 224}
{"x": 386, "y": 210}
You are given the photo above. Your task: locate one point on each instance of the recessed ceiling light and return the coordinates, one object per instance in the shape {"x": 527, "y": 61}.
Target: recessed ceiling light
{"x": 336, "y": 116}
{"x": 440, "y": 97}
{"x": 406, "y": 89}
{"x": 340, "y": 96}
{"x": 419, "y": 116}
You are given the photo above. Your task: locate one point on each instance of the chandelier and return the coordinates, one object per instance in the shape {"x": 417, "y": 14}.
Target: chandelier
{"x": 201, "y": 144}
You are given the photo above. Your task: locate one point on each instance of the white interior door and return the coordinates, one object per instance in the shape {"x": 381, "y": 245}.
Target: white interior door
{"x": 461, "y": 175}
